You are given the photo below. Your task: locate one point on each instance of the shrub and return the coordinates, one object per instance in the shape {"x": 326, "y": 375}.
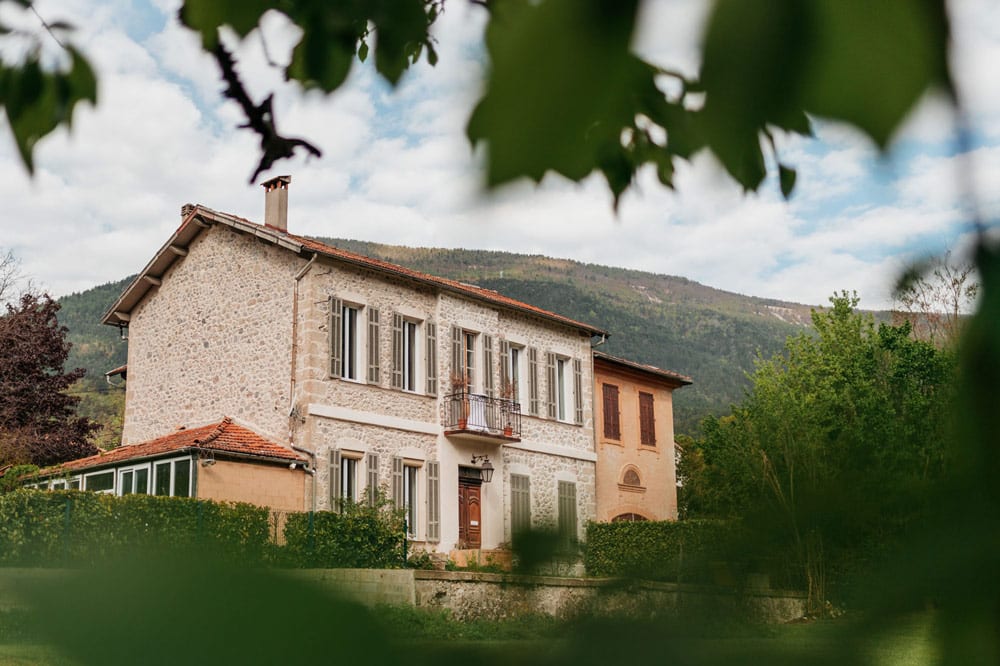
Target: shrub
{"x": 359, "y": 536}
{"x": 689, "y": 551}
{"x": 73, "y": 528}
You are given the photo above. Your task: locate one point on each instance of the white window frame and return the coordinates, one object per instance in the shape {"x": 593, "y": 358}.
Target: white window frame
{"x": 114, "y": 481}
{"x": 120, "y": 473}
{"x": 517, "y": 371}
{"x": 349, "y": 466}
{"x": 351, "y": 331}
{"x": 172, "y": 463}
{"x": 411, "y": 498}
{"x": 413, "y": 357}
{"x": 564, "y": 388}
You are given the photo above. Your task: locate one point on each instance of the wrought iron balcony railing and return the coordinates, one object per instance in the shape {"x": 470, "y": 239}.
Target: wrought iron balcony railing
{"x": 477, "y": 413}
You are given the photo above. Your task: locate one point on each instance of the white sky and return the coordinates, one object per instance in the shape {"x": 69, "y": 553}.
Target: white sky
{"x": 397, "y": 168}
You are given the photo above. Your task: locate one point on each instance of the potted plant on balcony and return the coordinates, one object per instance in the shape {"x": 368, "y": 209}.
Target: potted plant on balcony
{"x": 460, "y": 388}
{"x": 506, "y": 407}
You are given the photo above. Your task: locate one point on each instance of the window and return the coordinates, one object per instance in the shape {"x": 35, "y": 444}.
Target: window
{"x": 647, "y": 422}
{"x": 565, "y": 388}
{"x": 101, "y": 482}
{"x": 172, "y": 478}
{"x": 405, "y": 353}
{"x": 347, "y": 342}
{"x": 567, "y": 510}
{"x": 343, "y": 480}
{"x": 433, "y": 501}
{"x": 463, "y": 358}
{"x": 612, "y": 418}
{"x": 410, "y": 499}
{"x": 631, "y": 478}
{"x": 520, "y": 505}
{"x": 512, "y": 359}
{"x": 561, "y": 389}
{"x": 133, "y": 481}
{"x": 516, "y": 355}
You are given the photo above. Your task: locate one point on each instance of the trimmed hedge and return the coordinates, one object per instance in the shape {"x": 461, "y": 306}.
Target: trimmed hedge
{"x": 689, "y": 551}
{"x": 75, "y": 528}
{"x": 358, "y": 537}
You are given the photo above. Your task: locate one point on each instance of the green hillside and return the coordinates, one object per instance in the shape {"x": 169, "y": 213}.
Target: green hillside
{"x": 710, "y": 335}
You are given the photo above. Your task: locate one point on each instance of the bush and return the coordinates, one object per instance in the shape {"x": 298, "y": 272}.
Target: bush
{"x": 683, "y": 551}
{"x": 360, "y": 536}
{"x": 74, "y": 528}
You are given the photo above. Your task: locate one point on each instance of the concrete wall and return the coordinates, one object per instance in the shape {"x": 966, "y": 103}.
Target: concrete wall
{"x": 655, "y": 498}
{"x": 273, "y": 486}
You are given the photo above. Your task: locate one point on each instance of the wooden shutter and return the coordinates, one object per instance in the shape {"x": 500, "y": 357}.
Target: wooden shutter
{"x": 520, "y": 505}
{"x": 433, "y": 501}
{"x": 505, "y": 369}
{"x": 532, "y": 381}
{"x": 647, "y": 420}
{"x": 397, "y": 481}
{"x": 372, "y": 490}
{"x": 397, "y": 351}
{"x": 336, "y": 337}
{"x": 567, "y": 510}
{"x": 431, "y": 358}
{"x": 577, "y": 392}
{"x": 550, "y": 381}
{"x": 374, "y": 348}
{"x": 488, "y": 386}
{"x": 612, "y": 418}
{"x": 335, "y": 503}
{"x": 457, "y": 362}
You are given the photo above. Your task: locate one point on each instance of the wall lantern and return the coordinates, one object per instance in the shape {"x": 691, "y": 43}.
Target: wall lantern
{"x": 486, "y": 471}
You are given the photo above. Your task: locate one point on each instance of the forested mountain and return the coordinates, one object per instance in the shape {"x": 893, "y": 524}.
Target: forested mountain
{"x": 710, "y": 335}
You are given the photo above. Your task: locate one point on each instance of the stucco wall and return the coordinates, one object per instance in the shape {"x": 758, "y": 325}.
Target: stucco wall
{"x": 656, "y": 496}
{"x": 274, "y": 486}
{"x": 213, "y": 340}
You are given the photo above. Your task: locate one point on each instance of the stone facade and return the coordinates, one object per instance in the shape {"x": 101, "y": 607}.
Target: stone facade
{"x": 240, "y": 326}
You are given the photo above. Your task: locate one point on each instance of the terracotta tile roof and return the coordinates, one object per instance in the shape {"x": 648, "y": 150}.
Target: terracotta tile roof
{"x": 198, "y": 217}
{"x": 224, "y": 437}
{"x": 670, "y": 375}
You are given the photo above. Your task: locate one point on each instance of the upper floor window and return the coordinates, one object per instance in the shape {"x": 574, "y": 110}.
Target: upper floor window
{"x": 647, "y": 421}
{"x": 514, "y": 373}
{"x": 612, "y": 418}
{"x": 406, "y": 353}
{"x": 347, "y": 342}
{"x": 565, "y": 388}
{"x": 463, "y": 359}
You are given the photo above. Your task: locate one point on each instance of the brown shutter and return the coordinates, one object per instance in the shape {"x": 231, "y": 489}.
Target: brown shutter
{"x": 612, "y": 418}
{"x": 372, "y": 490}
{"x": 647, "y": 421}
{"x": 397, "y": 351}
{"x": 567, "y": 510}
{"x": 431, "y": 358}
{"x": 457, "y": 362}
{"x": 533, "y": 381}
{"x": 488, "y": 386}
{"x": 374, "y": 348}
{"x": 336, "y": 339}
{"x": 550, "y": 380}
{"x": 577, "y": 392}
{"x": 433, "y": 501}
{"x": 520, "y": 505}
{"x": 335, "y": 503}
{"x": 397, "y": 481}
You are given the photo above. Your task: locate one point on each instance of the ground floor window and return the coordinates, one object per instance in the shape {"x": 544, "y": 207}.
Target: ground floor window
{"x": 101, "y": 482}
{"x": 410, "y": 499}
{"x": 172, "y": 478}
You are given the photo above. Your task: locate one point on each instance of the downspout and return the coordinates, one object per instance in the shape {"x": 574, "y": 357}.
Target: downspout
{"x": 292, "y": 387}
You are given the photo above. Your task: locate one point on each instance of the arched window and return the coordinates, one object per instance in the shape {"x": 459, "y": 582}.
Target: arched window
{"x": 628, "y": 518}
{"x": 631, "y": 477}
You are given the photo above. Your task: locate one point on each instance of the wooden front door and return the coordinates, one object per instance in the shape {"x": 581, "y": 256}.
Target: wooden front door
{"x": 470, "y": 528}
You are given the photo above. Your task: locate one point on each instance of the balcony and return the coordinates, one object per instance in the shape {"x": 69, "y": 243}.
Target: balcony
{"x": 477, "y": 417}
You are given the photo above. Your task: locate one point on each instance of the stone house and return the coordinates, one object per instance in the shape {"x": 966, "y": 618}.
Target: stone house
{"x": 471, "y": 410}
{"x": 636, "y": 475}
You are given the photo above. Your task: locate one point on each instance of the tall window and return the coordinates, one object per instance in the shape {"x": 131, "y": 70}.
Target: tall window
{"x": 409, "y": 356}
{"x": 349, "y": 342}
{"x": 469, "y": 355}
{"x": 647, "y": 422}
{"x": 516, "y": 357}
{"x": 348, "y": 479}
{"x": 463, "y": 356}
{"x": 410, "y": 499}
{"x": 612, "y": 418}
{"x": 561, "y": 388}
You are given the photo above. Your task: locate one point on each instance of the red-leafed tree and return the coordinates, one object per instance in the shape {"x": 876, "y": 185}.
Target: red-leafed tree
{"x": 38, "y": 423}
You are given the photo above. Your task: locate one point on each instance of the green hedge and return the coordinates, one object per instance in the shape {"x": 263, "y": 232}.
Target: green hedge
{"x": 360, "y": 536}
{"x": 689, "y": 551}
{"x": 74, "y": 528}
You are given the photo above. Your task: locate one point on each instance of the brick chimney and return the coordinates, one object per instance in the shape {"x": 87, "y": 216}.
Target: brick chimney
{"x": 276, "y": 202}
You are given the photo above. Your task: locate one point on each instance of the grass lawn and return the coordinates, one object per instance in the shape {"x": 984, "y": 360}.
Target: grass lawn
{"x": 433, "y": 638}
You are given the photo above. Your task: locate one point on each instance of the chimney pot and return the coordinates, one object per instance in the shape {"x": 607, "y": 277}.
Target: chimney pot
{"x": 276, "y": 202}
{"x": 186, "y": 209}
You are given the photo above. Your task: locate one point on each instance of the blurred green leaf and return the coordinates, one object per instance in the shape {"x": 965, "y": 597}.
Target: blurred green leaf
{"x": 207, "y": 16}
{"x": 787, "y": 177}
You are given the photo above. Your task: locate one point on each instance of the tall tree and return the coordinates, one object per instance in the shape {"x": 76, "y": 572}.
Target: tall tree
{"x": 851, "y": 412}
{"x": 935, "y": 296}
{"x": 38, "y": 424}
